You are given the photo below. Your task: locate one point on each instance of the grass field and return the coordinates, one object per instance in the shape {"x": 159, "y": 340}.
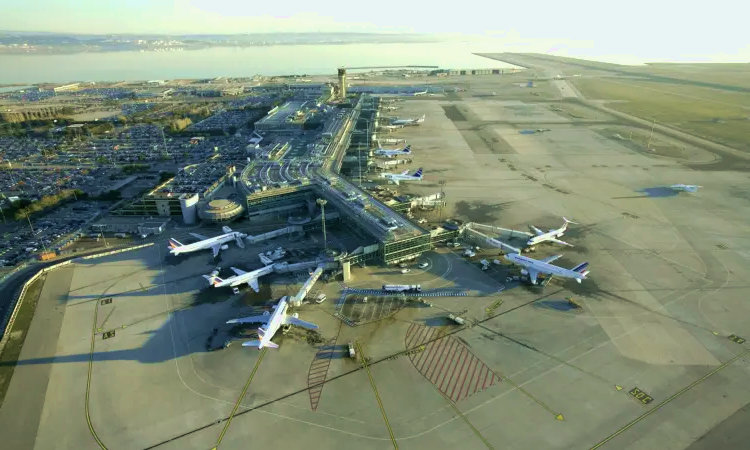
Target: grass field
{"x": 729, "y": 74}
{"x": 692, "y": 111}
{"x": 12, "y": 349}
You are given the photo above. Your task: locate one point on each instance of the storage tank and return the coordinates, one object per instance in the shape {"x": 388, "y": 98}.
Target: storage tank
{"x": 188, "y": 204}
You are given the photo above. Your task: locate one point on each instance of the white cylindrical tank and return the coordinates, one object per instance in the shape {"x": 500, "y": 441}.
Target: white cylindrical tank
{"x": 188, "y": 204}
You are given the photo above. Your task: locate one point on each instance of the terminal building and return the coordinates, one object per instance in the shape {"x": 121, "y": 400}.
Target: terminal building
{"x": 185, "y": 195}
{"x": 291, "y": 116}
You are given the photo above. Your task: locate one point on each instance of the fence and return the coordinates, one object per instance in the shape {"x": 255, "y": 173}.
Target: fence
{"x": 10, "y": 316}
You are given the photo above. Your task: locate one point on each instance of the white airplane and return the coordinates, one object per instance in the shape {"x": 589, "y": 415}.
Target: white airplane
{"x": 251, "y": 278}
{"x": 390, "y": 128}
{"x": 390, "y": 108}
{"x": 417, "y": 94}
{"x": 403, "y": 176}
{"x": 685, "y": 187}
{"x": 400, "y": 151}
{"x": 551, "y": 235}
{"x": 534, "y": 267}
{"x": 273, "y": 323}
{"x": 215, "y": 243}
{"x": 408, "y": 121}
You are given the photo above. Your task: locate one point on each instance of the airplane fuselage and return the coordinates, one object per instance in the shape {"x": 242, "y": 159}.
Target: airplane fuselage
{"x": 244, "y": 278}
{"x": 542, "y": 267}
{"x": 204, "y": 244}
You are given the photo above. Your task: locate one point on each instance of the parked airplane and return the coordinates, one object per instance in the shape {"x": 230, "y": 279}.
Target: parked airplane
{"x": 400, "y": 151}
{"x": 396, "y": 178}
{"x": 390, "y": 128}
{"x": 251, "y": 278}
{"x": 417, "y": 94}
{"x": 408, "y": 121}
{"x": 391, "y": 108}
{"x": 685, "y": 187}
{"x": 551, "y": 235}
{"x": 273, "y": 322}
{"x": 215, "y": 243}
{"x": 534, "y": 267}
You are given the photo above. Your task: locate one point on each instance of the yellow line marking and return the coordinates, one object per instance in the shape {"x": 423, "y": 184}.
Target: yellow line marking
{"x": 377, "y": 396}
{"x": 242, "y": 395}
{"x": 557, "y": 415}
{"x": 88, "y": 379}
{"x": 460, "y": 414}
{"x": 657, "y": 407}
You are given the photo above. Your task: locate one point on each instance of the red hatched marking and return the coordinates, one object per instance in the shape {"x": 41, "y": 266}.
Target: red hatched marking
{"x": 455, "y": 358}
{"x": 450, "y": 344}
{"x": 448, "y": 364}
{"x": 467, "y": 356}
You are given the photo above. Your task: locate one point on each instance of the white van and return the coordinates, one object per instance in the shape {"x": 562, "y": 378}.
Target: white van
{"x": 320, "y": 298}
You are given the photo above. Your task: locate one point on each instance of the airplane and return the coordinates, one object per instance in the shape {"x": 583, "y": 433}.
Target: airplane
{"x": 390, "y": 128}
{"x": 551, "y": 235}
{"x": 685, "y": 187}
{"x": 251, "y": 278}
{"x": 401, "y": 151}
{"x": 391, "y": 108}
{"x": 533, "y": 267}
{"x": 408, "y": 121}
{"x": 215, "y": 243}
{"x": 417, "y": 94}
{"x": 273, "y": 323}
{"x": 396, "y": 178}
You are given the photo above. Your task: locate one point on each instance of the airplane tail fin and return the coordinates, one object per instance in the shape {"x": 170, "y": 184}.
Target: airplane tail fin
{"x": 407, "y": 149}
{"x": 568, "y": 221}
{"x": 226, "y": 229}
{"x": 418, "y": 173}
{"x": 421, "y": 119}
{"x": 209, "y": 278}
{"x": 174, "y": 243}
{"x": 580, "y": 268}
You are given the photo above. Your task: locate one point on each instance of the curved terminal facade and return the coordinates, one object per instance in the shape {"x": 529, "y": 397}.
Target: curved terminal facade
{"x": 221, "y": 210}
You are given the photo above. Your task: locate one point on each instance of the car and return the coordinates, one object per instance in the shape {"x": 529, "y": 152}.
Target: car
{"x": 320, "y": 299}
{"x": 405, "y": 270}
{"x": 423, "y": 265}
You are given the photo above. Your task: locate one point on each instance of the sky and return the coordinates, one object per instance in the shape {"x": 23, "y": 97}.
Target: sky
{"x": 643, "y": 28}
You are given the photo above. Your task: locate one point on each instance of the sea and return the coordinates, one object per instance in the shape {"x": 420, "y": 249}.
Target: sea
{"x": 241, "y": 62}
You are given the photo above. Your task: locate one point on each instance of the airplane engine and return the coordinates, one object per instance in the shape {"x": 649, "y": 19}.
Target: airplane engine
{"x": 225, "y": 247}
{"x": 266, "y": 313}
{"x": 295, "y": 315}
{"x": 524, "y": 272}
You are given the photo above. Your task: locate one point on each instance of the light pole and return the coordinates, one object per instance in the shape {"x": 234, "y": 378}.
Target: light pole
{"x": 442, "y": 196}
{"x": 322, "y": 202}
{"x": 32, "y": 231}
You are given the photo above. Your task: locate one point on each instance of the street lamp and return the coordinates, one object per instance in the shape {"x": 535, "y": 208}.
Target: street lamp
{"x": 322, "y": 202}
{"x": 442, "y": 196}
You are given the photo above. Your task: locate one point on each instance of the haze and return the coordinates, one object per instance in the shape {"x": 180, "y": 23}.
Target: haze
{"x": 640, "y": 29}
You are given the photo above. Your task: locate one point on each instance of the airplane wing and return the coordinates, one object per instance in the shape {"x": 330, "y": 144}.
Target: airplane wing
{"x": 557, "y": 241}
{"x": 533, "y": 274}
{"x": 199, "y": 236}
{"x": 240, "y": 242}
{"x": 550, "y": 259}
{"x": 238, "y": 271}
{"x": 536, "y": 230}
{"x": 291, "y": 320}
{"x": 253, "y": 283}
{"x": 251, "y": 319}
{"x": 216, "y": 247}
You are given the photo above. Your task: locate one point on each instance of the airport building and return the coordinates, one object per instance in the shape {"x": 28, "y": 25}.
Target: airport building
{"x": 291, "y": 116}
{"x": 67, "y": 88}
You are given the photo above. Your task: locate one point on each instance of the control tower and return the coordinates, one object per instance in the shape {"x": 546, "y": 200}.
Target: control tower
{"x": 342, "y": 83}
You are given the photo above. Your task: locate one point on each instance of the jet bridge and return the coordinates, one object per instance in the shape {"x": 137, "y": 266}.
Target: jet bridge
{"x": 296, "y": 300}
{"x": 471, "y": 231}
